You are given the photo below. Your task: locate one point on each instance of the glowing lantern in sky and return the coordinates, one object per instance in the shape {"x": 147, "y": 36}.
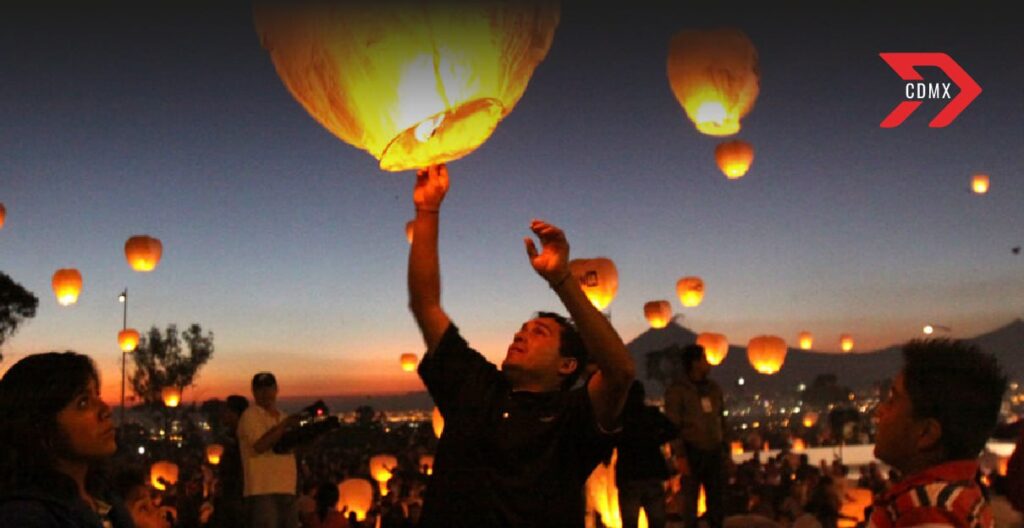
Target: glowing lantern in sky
{"x": 67, "y": 284}
{"x": 408, "y": 230}
{"x": 846, "y": 342}
{"x": 799, "y": 446}
{"x": 162, "y": 474}
{"x": 414, "y": 84}
{"x": 355, "y": 495}
{"x": 766, "y": 353}
{"x": 409, "y": 362}
{"x": 810, "y": 418}
{"x": 598, "y": 278}
{"x": 171, "y": 396}
{"x": 128, "y": 339}
{"x": 381, "y": 467}
{"x": 213, "y": 453}
{"x": 734, "y": 158}
{"x": 3, "y": 215}
{"x": 437, "y": 421}
{"x": 806, "y": 340}
{"x": 658, "y": 313}
{"x": 143, "y": 252}
{"x": 714, "y": 76}
{"x": 979, "y": 184}
{"x": 716, "y": 347}
{"x": 736, "y": 447}
{"x": 427, "y": 464}
{"x": 690, "y": 291}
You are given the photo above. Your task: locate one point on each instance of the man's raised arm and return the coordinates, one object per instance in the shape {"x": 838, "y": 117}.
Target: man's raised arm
{"x": 424, "y": 270}
{"x": 609, "y": 387}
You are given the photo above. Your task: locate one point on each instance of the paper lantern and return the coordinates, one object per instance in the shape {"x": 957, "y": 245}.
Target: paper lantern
{"x": 658, "y": 313}
{"x": 810, "y": 418}
{"x": 846, "y": 342}
{"x": 851, "y": 511}
{"x": 3, "y": 215}
{"x": 409, "y": 362}
{"x": 128, "y": 339}
{"x": 690, "y": 291}
{"x": 736, "y": 448}
{"x": 799, "y": 446}
{"x": 979, "y": 183}
{"x": 714, "y": 76}
{"x": 427, "y": 464}
{"x": 67, "y": 284}
{"x": 143, "y": 252}
{"x": 408, "y": 230}
{"x": 171, "y": 396}
{"x": 766, "y": 353}
{"x": 734, "y": 158}
{"x": 213, "y": 453}
{"x": 806, "y": 340}
{"x": 381, "y": 467}
{"x": 437, "y": 421}
{"x": 414, "y": 83}
{"x": 163, "y": 473}
{"x": 355, "y": 495}
{"x": 716, "y": 347}
{"x": 598, "y": 278}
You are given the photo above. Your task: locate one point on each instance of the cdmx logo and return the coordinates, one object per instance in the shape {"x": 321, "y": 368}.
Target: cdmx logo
{"x": 917, "y": 91}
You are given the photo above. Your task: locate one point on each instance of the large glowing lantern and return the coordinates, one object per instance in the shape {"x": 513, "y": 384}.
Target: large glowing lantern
{"x": 806, "y": 340}
{"x": 355, "y": 495}
{"x": 128, "y": 339}
{"x": 413, "y": 83}
{"x": 381, "y": 469}
{"x": 598, "y": 278}
{"x": 855, "y": 501}
{"x": 799, "y": 446}
{"x": 766, "y": 353}
{"x": 736, "y": 447}
{"x": 846, "y": 342}
{"x": 162, "y": 474}
{"x": 658, "y": 313}
{"x": 67, "y": 284}
{"x": 3, "y": 215}
{"x": 409, "y": 362}
{"x": 716, "y": 347}
{"x": 437, "y": 421}
{"x": 979, "y": 183}
{"x": 213, "y": 453}
{"x": 810, "y": 418}
{"x": 690, "y": 291}
{"x": 427, "y": 464}
{"x": 143, "y": 252}
{"x": 171, "y": 396}
{"x": 714, "y": 76}
{"x": 734, "y": 158}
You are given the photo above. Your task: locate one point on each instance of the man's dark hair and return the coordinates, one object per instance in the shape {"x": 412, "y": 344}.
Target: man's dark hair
{"x": 959, "y": 386}
{"x": 571, "y": 346}
{"x": 690, "y": 355}
{"x": 237, "y": 403}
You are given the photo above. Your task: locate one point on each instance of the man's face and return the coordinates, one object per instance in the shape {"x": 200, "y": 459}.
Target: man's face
{"x": 534, "y": 351}
{"x": 699, "y": 370}
{"x": 265, "y": 396}
{"x": 898, "y": 430}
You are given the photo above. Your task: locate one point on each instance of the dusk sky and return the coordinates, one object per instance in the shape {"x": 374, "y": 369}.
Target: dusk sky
{"x": 289, "y": 244}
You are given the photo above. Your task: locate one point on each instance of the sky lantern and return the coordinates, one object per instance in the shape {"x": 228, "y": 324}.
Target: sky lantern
{"x": 846, "y": 342}
{"x": 427, "y": 464}
{"x": 163, "y": 473}
{"x": 3, "y": 215}
{"x": 143, "y": 252}
{"x": 766, "y": 353}
{"x": 690, "y": 291}
{"x": 806, "y": 340}
{"x": 598, "y": 278}
{"x": 810, "y": 418}
{"x": 714, "y": 76}
{"x": 414, "y": 84}
{"x": 979, "y": 184}
{"x": 409, "y": 362}
{"x": 658, "y": 313}
{"x": 408, "y": 230}
{"x": 734, "y": 158}
{"x": 67, "y": 284}
{"x": 171, "y": 396}
{"x": 381, "y": 469}
{"x": 128, "y": 339}
{"x": 736, "y": 447}
{"x": 213, "y": 453}
{"x": 799, "y": 446}
{"x": 437, "y": 421}
{"x": 716, "y": 347}
{"x": 355, "y": 495}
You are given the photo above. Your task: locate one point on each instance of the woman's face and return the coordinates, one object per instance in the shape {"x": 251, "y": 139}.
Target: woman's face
{"x": 87, "y": 426}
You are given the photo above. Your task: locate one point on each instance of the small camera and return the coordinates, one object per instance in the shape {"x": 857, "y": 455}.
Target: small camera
{"x": 314, "y": 420}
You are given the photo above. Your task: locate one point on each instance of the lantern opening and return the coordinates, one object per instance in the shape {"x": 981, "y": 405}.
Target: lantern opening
{"x": 449, "y": 135}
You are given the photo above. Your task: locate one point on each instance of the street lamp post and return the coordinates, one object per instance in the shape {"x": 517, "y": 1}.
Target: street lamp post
{"x": 123, "y": 299}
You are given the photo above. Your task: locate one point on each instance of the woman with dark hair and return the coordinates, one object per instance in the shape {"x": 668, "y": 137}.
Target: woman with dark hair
{"x": 326, "y": 514}
{"x": 55, "y": 429}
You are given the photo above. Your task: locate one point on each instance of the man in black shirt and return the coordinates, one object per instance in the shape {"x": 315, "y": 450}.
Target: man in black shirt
{"x": 642, "y": 469}
{"x": 518, "y": 444}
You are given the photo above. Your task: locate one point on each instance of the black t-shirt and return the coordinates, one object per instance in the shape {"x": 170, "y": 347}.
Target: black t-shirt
{"x": 505, "y": 458}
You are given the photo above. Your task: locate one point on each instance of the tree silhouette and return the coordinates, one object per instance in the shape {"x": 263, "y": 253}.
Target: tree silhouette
{"x": 16, "y": 305}
{"x": 160, "y": 360}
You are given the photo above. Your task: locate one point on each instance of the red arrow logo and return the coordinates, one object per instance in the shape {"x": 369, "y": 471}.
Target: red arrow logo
{"x": 903, "y": 64}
